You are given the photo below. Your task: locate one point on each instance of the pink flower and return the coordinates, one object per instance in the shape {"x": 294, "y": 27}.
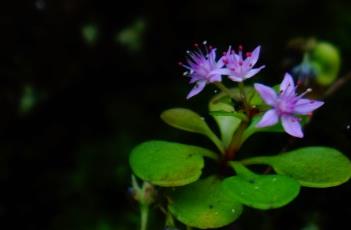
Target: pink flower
{"x": 203, "y": 69}
{"x": 285, "y": 106}
{"x": 240, "y": 69}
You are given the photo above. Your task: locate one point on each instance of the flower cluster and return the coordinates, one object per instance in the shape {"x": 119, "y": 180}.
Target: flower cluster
{"x": 203, "y": 68}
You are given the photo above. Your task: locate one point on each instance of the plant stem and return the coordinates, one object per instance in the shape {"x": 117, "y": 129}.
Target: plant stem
{"x": 236, "y": 141}
{"x": 256, "y": 160}
{"x": 218, "y": 144}
{"x": 224, "y": 89}
{"x": 244, "y": 98}
{"x": 144, "y": 211}
{"x": 213, "y": 155}
{"x": 240, "y": 169}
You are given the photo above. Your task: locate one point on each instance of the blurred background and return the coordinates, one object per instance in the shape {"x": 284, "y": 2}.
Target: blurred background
{"x": 83, "y": 81}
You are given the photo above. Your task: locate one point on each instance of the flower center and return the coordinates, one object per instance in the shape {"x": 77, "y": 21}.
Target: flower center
{"x": 285, "y": 106}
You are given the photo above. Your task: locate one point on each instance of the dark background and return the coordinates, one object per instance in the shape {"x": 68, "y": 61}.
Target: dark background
{"x": 84, "y": 81}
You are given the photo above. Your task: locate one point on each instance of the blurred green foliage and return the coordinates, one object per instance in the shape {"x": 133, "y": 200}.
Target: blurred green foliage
{"x": 131, "y": 37}
{"x": 90, "y": 33}
{"x": 28, "y": 100}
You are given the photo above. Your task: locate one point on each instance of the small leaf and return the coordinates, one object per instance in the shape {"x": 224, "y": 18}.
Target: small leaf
{"x": 28, "y": 100}
{"x": 252, "y": 129}
{"x": 224, "y": 115}
{"x": 252, "y": 96}
{"x": 90, "y": 33}
{"x": 132, "y": 36}
{"x": 190, "y": 121}
{"x": 187, "y": 120}
{"x": 260, "y": 191}
{"x": 203, "y": 204}
{"x": 223, "y": 103}
{"x": 326, "y": 60}
{"x": 317, "y": 167}
{"x": 168, "y": 164}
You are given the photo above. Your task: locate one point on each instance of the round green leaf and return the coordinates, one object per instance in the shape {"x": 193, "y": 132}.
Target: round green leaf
{"x": 261, "y": 191}
{"x": 312, "y": 166}
{"x": 186, "y": 119}
{"x": 326, "y": 60}
{"x": 203, "y": 204}
{"x": 190, "y": 121}
{"x": 168, "y": 164}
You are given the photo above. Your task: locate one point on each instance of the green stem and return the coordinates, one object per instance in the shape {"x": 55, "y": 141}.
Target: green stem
{"x": 257, "y": 160}
{"x": 144, "y": 211}
{"x": 211, "y": 154}
{"x": 236, "y": 141}
{"x": 224, "y": 89}
{"x": 244, "y": 98}
{"x": 135, "y": 185}
{"x": 240, "y": 169}
{"x": 247, "y": 134}
{"x": 218, "y": 144}
{"x": 170, "y": 221}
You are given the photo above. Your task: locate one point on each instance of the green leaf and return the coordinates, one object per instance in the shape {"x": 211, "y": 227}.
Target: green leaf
{"x": 90, "y": 33}
{"x": 168, "y": 164}
{"x": 28, "y": 100}
{"x": 224, "y": 114}
{"x": 326, "y": 59}
{"x": 260, "y": 191}
{"x": 253, "y": 97}
{"x": 317, "y": 167}
{"x": 190, "y": 121}
{"x": 132, "y": 36}
{"x": 252, "y": 129}
{"x": 203, "y": 204}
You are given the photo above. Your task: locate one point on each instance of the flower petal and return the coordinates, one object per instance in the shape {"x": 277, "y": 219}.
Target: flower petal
{"x": 200, "y": 85}
{"x": 215, "y": 78}
{"x": 254, "y": 55}
{"x": 269, "y": 118}
{"x": 194, "y": 78}
{"x": 305, "y": 106}
{"x": 220, "y": 63}
{"x": 267, "y": 94}
{"x": 287, "y": 86}
{"x": 235, "y": 78}
{"x": 292, "y": 126}
{"x": 223, "y": 71}
{"x": 212, "y": 56}
{"x": 253, "y": 72}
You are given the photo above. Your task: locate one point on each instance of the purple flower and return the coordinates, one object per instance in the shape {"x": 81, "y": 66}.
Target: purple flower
{"x": 285, "y": 106}
{"x": 238, "y": 68}
{"x": 203, "y": 69}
